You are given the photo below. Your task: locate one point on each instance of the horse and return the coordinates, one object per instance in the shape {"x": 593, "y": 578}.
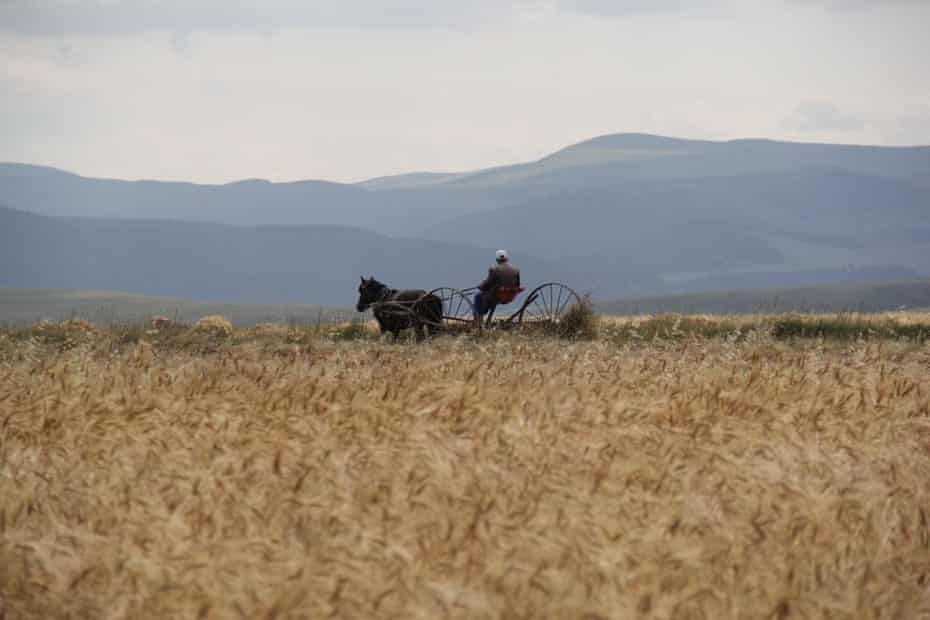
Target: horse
{"x": 397, "y": 310}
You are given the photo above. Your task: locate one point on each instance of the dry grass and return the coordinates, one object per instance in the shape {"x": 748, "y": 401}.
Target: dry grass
{"x": 849, "y": 326}
{"x": 279, "y": 473}
{"x": 214, "y": 324}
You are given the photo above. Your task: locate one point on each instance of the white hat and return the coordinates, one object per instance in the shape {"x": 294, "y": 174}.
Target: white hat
{"x": 501, "y": 256}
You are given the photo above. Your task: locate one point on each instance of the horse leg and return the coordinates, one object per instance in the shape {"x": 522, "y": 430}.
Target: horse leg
{"x": 381, "y": 326}
{"x": 435, "y": 325}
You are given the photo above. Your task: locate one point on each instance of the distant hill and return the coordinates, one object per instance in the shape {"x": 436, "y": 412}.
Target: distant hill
{"x": 609, "y": 159}
{"x": 851, "y": 297}
{"x": 410, "y": 180}
{"x": 310, "y": 264}
{"x": 48, "y": 191}
{"x": 622, "y": 214}
{"x": 783, "y": 221}
{"x": 411, "y": 203}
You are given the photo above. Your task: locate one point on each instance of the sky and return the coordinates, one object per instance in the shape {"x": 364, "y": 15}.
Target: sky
{"x": 214, "y": 91}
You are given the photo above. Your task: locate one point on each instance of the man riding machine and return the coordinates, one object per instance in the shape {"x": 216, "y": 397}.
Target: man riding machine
{"x": 500, "y": 287}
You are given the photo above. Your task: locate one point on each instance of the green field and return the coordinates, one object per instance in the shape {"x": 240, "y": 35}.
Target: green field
{"x": 19, "y": 306}
{"x": 23, "y": 306}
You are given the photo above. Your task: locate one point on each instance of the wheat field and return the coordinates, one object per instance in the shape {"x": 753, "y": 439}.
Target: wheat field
{"x": 277, "y": 476}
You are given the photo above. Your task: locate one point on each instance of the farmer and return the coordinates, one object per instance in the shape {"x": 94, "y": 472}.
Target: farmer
{"x": 500, "y": 287}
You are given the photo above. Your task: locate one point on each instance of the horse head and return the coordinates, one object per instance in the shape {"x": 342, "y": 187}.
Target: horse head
{"x": 369, "y": 292}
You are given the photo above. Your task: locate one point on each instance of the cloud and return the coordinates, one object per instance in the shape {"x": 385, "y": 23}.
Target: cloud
{"x": 913, "y": 128}
{"x": 55, "y": 17}
{"x": 214, "y": 90}
{"x": 852, "y": 5}
{"x": 623, "y": 8}
{"x": 812, "y": 116}
{"x": 917, "y": 122}
{"x": 58, "y": 17}
{"x": 52, "y": 17}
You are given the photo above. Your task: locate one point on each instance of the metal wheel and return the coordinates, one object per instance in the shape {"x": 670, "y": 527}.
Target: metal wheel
{"x": 457, "y": 312}
{"x": 548, "y": 303}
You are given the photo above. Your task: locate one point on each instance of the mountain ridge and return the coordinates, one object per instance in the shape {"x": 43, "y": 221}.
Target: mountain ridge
{"x": 625, "y": 139}
{"x": 621, "y": 213}
{"x": 204, "y": 260}
{"x": 310, "y": 264}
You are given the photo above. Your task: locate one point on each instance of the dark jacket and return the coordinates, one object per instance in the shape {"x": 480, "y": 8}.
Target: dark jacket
{"x": 500, "y": 274}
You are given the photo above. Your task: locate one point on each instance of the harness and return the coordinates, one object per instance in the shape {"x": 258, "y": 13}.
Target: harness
{"x": 385, "y": 294}
{"x": 382, "y": 297}
{"x": 403, "y": 313}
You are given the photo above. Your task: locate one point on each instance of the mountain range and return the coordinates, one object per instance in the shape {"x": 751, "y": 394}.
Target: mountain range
{"x": 219, "y": 262}
{"x": 618, "y": 215}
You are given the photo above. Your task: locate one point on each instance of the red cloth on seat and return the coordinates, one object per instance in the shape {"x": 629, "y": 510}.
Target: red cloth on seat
{"x": 506, "y": 294}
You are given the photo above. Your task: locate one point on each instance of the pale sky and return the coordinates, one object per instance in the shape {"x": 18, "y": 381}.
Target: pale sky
{"x": 219, "y": 90}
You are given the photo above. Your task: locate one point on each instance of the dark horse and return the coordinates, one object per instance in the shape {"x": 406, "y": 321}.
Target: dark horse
{"x": 397, "y": 310}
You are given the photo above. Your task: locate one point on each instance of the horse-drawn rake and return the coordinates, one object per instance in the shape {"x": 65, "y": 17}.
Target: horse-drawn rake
{"x": 541, "y": 308}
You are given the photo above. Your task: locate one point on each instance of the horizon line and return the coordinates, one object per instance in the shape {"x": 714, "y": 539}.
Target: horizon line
{"x": 459, "y": 173}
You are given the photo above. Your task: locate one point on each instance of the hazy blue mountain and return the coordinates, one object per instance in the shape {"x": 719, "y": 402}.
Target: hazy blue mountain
{"x": 615, "y": 161}
{"x": 619, "y": 214}
{"x": 788, "y": 220}
{"x": 628, "y": 157}
{"x": 409, "y": 181}
{"x": 409, "y": 204}
{"x": 253, "y": 202}
{"x": 310, "y": 264}
{"x": 47, "y": 191}
{"x": 203, "y": 261}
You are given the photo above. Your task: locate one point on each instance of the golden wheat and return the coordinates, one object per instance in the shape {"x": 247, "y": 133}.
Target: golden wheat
{"x": 214, "y": 324}
{"x": 506, "y": 477}
{"x": 899, "y": 317}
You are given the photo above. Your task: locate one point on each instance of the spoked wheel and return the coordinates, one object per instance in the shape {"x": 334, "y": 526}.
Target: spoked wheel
{"x": 457, "y": 311}
{"x": 548, "y": 303}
